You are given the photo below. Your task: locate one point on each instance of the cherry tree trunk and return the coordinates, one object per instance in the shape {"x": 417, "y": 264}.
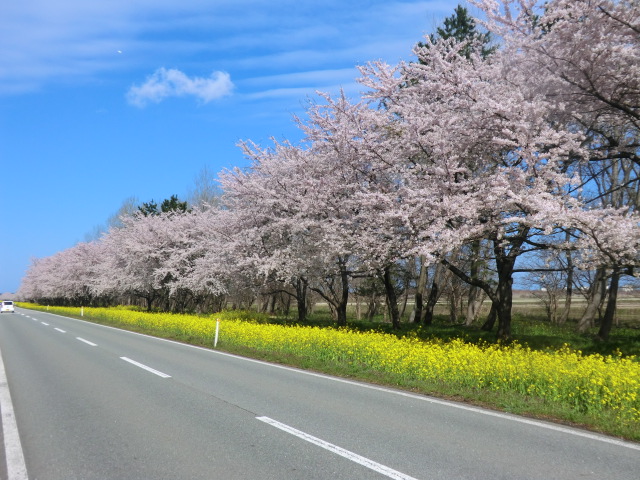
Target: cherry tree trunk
{"x": 610, "y": 312}
{"x": 569, "y": 290}
{"x": 596, "y": 296}
{"x": 149, "y": 299}
{"x": 434, "y": 294}
{"x": 505, "y": 296}
{"x": 341, "y": 304}
{"x": 476, "y": 297}
{"x": 301, "y": 299}
{"x": 431, "y": 303}
{"x": 455, "y": 303}
{"x": 392, "y": 298}
{"x": 491, "y": 318}
{"x": 422, "y": 282}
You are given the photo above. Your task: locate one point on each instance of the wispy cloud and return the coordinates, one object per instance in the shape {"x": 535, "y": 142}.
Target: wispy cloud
{"x": 72, "y": 42}
{"x": 165, "y": 83}
{"x": 300, "y": 86}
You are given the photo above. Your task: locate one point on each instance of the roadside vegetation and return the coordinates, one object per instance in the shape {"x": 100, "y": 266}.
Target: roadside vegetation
{"x": 546, "y": 372}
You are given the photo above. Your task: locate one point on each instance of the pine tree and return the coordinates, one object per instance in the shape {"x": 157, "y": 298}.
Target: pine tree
{"x": 462, "y": 27}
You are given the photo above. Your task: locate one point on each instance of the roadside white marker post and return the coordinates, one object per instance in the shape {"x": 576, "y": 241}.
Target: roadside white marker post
{"x": 82, "y": 311}
{"x": 215, "y": 340}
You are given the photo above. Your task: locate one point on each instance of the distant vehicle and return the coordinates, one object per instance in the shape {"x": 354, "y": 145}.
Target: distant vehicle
{"x": 7, "y": 306}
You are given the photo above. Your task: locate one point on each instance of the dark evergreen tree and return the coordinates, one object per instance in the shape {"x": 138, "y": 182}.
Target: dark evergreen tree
{"x": 149, "y": 208}
{"x": 462, "y": 27}
{"x": 172, "y": 204}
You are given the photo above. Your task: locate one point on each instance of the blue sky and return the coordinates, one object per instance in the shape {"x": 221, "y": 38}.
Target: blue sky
{"x": 104, "y": 100}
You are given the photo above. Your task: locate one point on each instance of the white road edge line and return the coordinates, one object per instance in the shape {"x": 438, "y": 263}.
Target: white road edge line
{"x": 504, "y": 416}
{"x": 354, "y": 457}
{"x": 87, "y": 341}
{"x": 148, "y": 369}
{"x": 16, "y": 467}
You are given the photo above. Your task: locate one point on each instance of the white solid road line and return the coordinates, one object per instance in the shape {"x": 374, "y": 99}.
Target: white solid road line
{"x": 87, "y": 341}
{"x": 354, "y": 457}
{"x": 16, "y": 467}
{"x": 148, "y": 369}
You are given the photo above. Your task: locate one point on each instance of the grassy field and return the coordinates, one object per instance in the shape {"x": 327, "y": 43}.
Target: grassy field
{"x": 525, "y": 305}
{"x": 529, "y": 326}
{"x": 548, "y": 372}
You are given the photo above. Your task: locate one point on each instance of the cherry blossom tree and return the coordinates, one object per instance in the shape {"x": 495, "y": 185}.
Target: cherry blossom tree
{"x": 583, "y": 58}
{"x": 333, "y": 209}
{"x": 472, "y": 139}
{"x": 275, "y": 212}
{"x": 148, "y": 257}
{"x": 218, "y": 263}
{"x": 492, "y": 141}
{"x": 67, "y": 277}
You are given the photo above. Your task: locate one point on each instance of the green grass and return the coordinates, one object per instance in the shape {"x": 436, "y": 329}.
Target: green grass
{"x": 530, "y": 330}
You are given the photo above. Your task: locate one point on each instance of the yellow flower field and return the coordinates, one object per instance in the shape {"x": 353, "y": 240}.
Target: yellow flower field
{"x": 586, "y": 383}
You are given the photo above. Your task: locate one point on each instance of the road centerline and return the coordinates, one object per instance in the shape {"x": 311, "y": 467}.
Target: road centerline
{"x": 145, "y": 367}
{"x": 354, "y": 457}
{"x": 87, "y": 342}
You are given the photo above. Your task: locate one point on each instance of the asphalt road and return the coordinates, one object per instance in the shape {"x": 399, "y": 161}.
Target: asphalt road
{"x": 93, "y": 402}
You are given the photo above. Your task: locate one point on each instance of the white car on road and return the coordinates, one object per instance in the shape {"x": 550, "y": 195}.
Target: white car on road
{"x": 7, "y": 306}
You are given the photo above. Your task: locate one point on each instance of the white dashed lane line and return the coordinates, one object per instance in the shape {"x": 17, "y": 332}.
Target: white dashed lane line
{"x": 145, "y": 367}
{"x": 87, "y": 342}
{"x": 354, "y": 457}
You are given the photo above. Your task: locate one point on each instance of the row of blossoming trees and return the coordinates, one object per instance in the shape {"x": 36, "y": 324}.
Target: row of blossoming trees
{"x": 533, "y": 148}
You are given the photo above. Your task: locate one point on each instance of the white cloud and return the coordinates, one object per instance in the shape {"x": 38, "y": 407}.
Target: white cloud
{"x": 165, "y": 83}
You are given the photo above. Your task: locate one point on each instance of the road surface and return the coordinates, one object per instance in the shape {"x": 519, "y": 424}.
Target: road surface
{"x": 93, "y": 402}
